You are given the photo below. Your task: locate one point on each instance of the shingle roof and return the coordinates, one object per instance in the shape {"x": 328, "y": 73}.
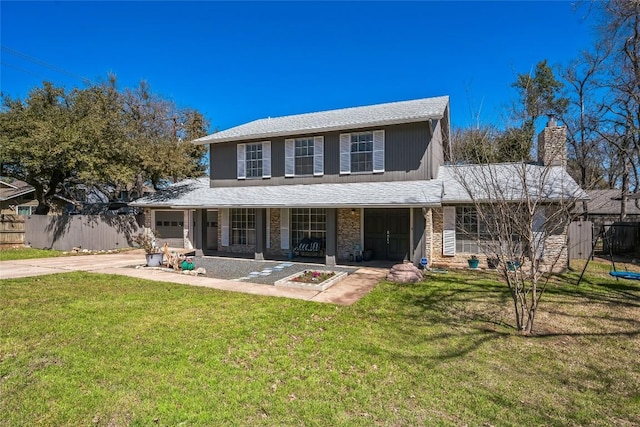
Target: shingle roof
{"x": 14, "y": 188}
{"x": 607, "y": 202}
{"x": 505, "y": 181}
{"x": 195, "y": 194}
{"x": 552, "y": 184}
{"x": 346, "y": 118}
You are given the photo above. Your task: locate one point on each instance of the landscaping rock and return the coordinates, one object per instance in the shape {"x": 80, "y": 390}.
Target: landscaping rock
{"x": 404, "y": 273}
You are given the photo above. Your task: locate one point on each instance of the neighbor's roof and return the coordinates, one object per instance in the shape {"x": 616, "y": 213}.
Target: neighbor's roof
{"x": 197, "y": 194}
{"x": 14, "y": 188}
{"x": 332, "y": 120}
{"x": 507, "y": 181}
{"x": 607, "y": 202}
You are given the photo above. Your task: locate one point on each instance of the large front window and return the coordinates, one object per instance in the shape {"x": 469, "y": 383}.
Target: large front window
{"x": 243, "y": 226}
{"x": 253, "y": 158}
{"x": 308, "y": 223}
{"x": 362, "y": 152}
{"x": 304, "y": 156}
{"x": 476, "y": 233}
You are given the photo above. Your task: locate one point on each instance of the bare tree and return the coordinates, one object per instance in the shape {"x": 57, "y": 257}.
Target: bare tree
{"x": 521, "y": 211}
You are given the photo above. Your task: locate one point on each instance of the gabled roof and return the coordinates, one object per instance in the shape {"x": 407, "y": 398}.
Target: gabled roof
{"x": 607, "y": 202}
{"x": 196, "y": 193}
{"x": 507, "y": 181}
{"x": 333, "y": 120}
{"x": 14, "y": 188}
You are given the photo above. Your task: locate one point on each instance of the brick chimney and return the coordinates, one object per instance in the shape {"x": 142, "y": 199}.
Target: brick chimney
{"x": 552, "y": 144}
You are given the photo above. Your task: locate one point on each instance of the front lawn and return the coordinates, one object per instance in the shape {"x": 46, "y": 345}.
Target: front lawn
{"x": 100, "y": 350}
{"x": 27, "y": 253}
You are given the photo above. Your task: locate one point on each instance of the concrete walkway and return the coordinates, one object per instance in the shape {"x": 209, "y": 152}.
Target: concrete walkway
{"x": 345, "y": 292}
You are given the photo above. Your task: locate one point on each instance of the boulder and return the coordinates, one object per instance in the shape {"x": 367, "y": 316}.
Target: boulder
{"x": 404, "y": 273}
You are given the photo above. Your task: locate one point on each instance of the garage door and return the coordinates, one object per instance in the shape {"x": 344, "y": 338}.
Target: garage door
{"x": 169, "y": 224}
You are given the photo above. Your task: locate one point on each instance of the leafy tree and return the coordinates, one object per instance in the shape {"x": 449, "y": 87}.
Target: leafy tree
{"x": 161, "y": 134}
{"x": 539, "y": 96}
{"x": 61, "y": 141}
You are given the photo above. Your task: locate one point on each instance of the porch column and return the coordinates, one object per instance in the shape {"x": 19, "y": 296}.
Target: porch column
{"x": 261, "y": 233}
{"x": 332, "y": 237}
{"x": 200, "y": 231}
{"x": 419, "y": 231}
{"x": 187, "y": 231}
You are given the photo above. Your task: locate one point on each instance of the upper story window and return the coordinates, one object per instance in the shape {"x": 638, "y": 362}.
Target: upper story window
{"x": 253, "y": 157}
{"x": 362, "y": 152}
{"x": 304, "y": 156}
{"x": 254, "y": 160}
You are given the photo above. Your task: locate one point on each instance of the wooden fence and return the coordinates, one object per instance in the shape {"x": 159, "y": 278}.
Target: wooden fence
{"x": 580, "y": 239}
{"x": 92, "y": 232}
{"x": 11, "y": 231}
{"x": 621, "y": 238}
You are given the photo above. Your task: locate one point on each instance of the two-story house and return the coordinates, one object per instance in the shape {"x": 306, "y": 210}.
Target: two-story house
{"x": 365, "y": 180}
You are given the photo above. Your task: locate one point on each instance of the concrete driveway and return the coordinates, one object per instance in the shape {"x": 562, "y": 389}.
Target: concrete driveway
{"x": 345, "y": 292}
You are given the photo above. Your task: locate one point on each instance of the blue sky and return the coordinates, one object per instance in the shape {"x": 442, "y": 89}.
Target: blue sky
{"x": 240, "y": 61}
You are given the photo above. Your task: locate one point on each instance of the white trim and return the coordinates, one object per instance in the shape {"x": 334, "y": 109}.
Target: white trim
{"x": 345, "y": 153}
{"x": 266, "y": 159}
{"x": 539, "y": 218}
{"x": 378, "y": 151}
{"x": 289, "y": 158}
{"x": 318, "y": 155}
{"x": 284, "y": 229}
{"x": 224, "y": 226}
{"x": 449, "y": 230}
{"x": 241, "y": 170}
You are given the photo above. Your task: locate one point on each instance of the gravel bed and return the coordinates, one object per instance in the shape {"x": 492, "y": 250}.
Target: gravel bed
{"x": 241, "y": 269}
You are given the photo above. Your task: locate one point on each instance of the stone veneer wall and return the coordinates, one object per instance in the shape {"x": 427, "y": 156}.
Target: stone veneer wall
{"x": 428, "y": 235}
{"x": 348, "y": 232}
{"x": 555, "y": 247}
{"x": 274, "y": 234}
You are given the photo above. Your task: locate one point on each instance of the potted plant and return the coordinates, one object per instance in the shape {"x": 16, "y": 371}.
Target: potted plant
{"x": 473, "y": 261}
{"x": 492, "y": 263}
{"x": 147, "y": 241}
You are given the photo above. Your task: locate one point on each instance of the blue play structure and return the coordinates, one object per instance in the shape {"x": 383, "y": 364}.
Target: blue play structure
{"x": 631, "y": 275}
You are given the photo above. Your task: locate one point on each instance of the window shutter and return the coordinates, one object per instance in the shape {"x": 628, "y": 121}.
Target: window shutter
{"x": 378, "y": 151}
{"x": 284, "y": 228}
{"x": 224, "y": 221}
{"x": 289, "y": 157}
{"x": 318, "y": 156}
{"x": 266, "y": 159}
{"x": 449, "y": 231}
{"x": 241, "y": 161}
{"x": 345, "y": 153}
{"x": 538, "y": 232}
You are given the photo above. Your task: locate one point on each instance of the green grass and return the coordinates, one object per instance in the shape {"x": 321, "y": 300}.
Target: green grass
{"x": 89, "y": 349}
{"x": 27, "y": 253}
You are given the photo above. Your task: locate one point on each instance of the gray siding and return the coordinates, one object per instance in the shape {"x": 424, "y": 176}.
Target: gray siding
{"x": 93, "y": 232}
{"x": 408, "y": 156}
